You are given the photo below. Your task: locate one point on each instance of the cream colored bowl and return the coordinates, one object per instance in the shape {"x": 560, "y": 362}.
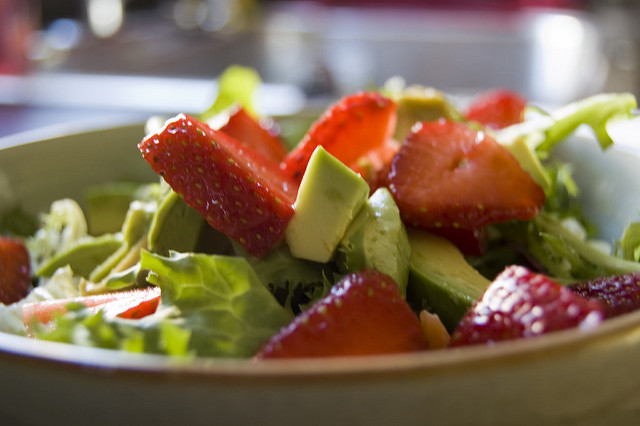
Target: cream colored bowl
{"x": 566, "y": 378}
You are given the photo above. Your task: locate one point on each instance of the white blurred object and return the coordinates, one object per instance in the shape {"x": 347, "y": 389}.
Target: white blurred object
{"x": 105, "y": 17}
{"x": 135, "y": 93}
{"x": 626, "y": 134}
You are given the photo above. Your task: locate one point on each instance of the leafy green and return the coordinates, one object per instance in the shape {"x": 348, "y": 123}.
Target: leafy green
{"x": 212, "y": 306}
{"x": 295, "y": 283}
{"x": 61, "y": 228}
{"x": 152, "y": 334}
{"x": 630, "y": 243}
{"x": 16, "y": 221}
{"x": 61, "y": 285}
{"x": 221, "y": 301}
{"x": 545, "y": 131}
{"x": 236, "y": 85}
{"x": 567, "y": 255}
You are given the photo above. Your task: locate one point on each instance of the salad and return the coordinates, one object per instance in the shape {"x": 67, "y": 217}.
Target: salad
{"x": 398, "y": 221}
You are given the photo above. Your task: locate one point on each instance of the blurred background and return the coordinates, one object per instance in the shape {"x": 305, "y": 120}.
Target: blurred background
{"x": 64, "y": 62}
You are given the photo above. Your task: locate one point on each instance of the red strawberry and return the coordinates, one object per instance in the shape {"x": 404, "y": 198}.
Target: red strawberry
{"x": 374, "y": 165}
{"x": 364, "y": 314}
{"x": 620, "y": 293}
{"x": 520, "y": 303}
{"x": 259, "y": 135}
{"x": 497, "y": 109}
{"x": 125, "y": 304}
{"x": 228, "y": 183}
{"x": 447, "y": 175}
{"x": 355, "y": 125}
{"x": 472, "y": 242}
{"x": 15, "y": 270}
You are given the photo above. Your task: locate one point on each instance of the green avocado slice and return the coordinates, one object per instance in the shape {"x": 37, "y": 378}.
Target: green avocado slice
{"x": 440, "y": 279}
{"x": 84, "y": 256}
{"x": 175, "y": 226}
{"x": 377, "y": 239}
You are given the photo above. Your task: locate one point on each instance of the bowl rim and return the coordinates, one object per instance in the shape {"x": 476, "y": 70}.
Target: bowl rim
{"x": 16, "y": 349}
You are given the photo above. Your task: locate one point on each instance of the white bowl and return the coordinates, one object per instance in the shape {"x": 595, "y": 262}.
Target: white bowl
{"x": 569, "y": 377}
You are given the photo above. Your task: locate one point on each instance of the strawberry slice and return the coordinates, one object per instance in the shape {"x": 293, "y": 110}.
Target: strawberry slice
{"x": 447, "y": 175}
{"x": 520, "y": 303}
{"x": 260, "y": 135}
{"x": 472, "y": 242}
{"x": 15, "y": 270}
{"x": 229, "y": 184}
{"x": 364, "y": 314}
{"x": 374, "y": 165}
{"x": 620, "y": 293}
{"x": 355, "y": 125}
{"x": 131, "y": 304}
{"x": 497, "y": 108}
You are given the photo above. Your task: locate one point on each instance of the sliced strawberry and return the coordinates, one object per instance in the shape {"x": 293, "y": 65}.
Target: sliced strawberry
{"x": 374, "y": 165}
{"x": 447, "y": 175}
{"x": 364, "y": 314}
{"x": 230, "y": 185}
{"x": 139, "y": 305}
{"x": 261, "y": 136}
{"x": 15, "y": 270}
{"x": 620, "y": 293}
{"x": 472, "y": 242}
{"x": 347, "y": 130}
{"x": 520, "y": 303}
{"x": 497, "y": 108}
{"x": 130, "y": 304}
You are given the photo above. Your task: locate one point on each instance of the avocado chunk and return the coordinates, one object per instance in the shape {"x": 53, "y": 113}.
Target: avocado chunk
{"x": 134, "y": 238}
{"x": 418, "y": 103}
{"x": 83, "y": 256}
{"x": 329, "y": 197}
{"x": 175, "y": 226}
{"x": 377, "y": 239}
{"x": 440, "y": 279}
{"x": 107, "y": 206}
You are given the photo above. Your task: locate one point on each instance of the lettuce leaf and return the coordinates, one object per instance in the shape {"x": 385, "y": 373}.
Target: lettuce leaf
{"x": 221, "y": 300}
{"x": 568, "y": 256}
{"x": 236, "y": 85}
{"x": 295, "y": 283}
{"x": 630, "y": 243}
{"x": 212, "y": 306}
{"x": 544, "y": 131}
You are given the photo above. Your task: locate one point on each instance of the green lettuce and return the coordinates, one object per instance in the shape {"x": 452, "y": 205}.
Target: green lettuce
{"x": 236, "y": 85}
{"x": 630, "y": 243}
{"x": 211, "y": 306}
{"x": 220, "y": 299}
{"x": 295, "y": 283}
{"x": 543, "y": 132}
{"x": 564, "y": 252}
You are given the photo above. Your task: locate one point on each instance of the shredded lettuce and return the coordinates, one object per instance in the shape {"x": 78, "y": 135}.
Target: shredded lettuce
{"x": 630, "y": 243}
{"x": 157, "y": 333}
{"x": 61, "y": 285}
{"x": 544, "y": 131}
{"x": 295, "y": 283}
{"x": 563, "y": 251}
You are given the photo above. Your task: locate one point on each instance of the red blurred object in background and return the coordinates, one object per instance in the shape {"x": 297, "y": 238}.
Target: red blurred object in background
{"x": 15, "y": 29}
{"x": 465, "y": 4}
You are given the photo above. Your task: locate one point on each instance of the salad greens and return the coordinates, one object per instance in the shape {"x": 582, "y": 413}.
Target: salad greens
{"x": 219, "y": 301}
